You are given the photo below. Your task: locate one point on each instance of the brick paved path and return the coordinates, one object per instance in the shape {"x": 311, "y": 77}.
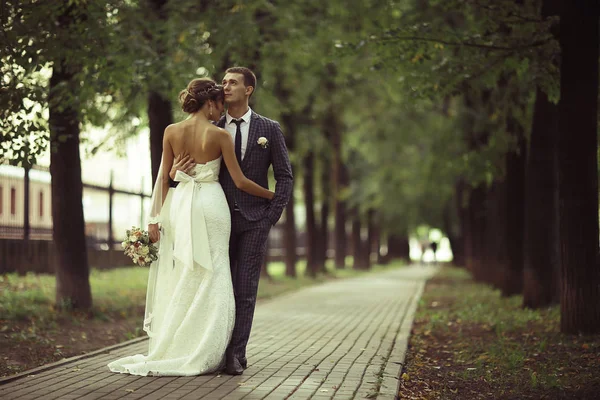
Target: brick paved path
{"x": 340, "y": 340}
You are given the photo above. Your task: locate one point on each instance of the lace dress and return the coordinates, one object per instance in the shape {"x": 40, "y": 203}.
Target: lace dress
{"x": 190, "y": 307}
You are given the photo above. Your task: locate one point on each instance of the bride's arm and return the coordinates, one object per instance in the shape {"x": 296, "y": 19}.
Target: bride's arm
{"x": 167, "y": 163}
{"x": 167, "y": 160}
{"x": 240, "y": 180}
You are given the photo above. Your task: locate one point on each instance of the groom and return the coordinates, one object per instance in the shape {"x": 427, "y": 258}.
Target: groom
{"x": 259, "y": 143}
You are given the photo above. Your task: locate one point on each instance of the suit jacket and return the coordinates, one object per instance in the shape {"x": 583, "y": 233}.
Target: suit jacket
{"x": 255, "y": 165}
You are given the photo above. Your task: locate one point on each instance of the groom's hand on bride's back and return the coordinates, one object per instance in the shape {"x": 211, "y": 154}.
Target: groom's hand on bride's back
{"x": 184, "y": 163}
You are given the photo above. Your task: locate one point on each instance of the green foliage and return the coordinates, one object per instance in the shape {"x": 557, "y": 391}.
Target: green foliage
{"x": 38, "y": 37}
{"x": 450, "y": 75}
{"x": 118, "y": 50}
{"x": 422, "y": 90}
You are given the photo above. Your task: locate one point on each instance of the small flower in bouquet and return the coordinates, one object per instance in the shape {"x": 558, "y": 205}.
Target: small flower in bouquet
{"x": 139, "y": 248}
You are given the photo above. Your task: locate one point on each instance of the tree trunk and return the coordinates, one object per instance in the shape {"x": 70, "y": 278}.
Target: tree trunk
{"x": 357, "y": 247}
{"x": 340, "y": 220}
{"x": 578, "y": 168}
{"x": 333, "y": 131}
{"x": 475, "y": 243}
{"x": 369, "y": 242}
{"x": 376, "y": 239}
{"x": 493, "y": 258}
{"x": 324, "y": 221}
{"x": 72, "y": 273}
{"x": 515, "y": 210}
{"x": 404, "y": 248}
{"x": 159, "y": 116}
{"x": 540, "y": 263}
{"x": 290, "y": 243}
{"x": 475, "y": 214}
{"x": 289, "y": 234}
{"x": 311, "y": 226}
{"x": 377, "y": 243}
{"x": 457, "y": 238}
{"x": 454, "y": 225}
{"x": 468, "y": 236}
{"x": 398, "y": 247}
{"x": 26, "y": 213}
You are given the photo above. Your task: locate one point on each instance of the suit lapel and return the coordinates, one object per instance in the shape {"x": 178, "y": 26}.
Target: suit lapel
{"x": 252, "y": 138}
{"x": 221, "y": 122}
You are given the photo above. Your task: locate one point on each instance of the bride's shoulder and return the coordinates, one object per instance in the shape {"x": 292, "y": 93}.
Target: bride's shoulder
{"x": 172, "y": 129}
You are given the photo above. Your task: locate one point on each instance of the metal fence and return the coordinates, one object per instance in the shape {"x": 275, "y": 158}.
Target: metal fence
{"x": 26, "y": 222}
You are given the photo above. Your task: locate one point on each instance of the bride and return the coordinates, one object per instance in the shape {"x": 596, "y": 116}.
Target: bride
{"x": 190, "y": 307}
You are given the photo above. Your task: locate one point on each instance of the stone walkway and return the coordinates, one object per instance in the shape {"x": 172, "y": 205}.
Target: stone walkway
{"x": 345, "y": 339}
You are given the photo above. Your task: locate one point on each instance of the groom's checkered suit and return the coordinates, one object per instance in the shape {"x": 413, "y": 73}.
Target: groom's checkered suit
{"x": 253, "y": 218}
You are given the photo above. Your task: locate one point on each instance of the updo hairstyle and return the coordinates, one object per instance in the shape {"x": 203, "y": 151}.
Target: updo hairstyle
{"x": 198, "y": 92}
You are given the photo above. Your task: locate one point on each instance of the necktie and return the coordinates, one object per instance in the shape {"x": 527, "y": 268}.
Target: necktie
{"x": 238, "y": 140}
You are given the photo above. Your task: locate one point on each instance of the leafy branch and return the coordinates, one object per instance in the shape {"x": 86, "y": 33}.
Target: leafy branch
{"x": 531, "y": 45}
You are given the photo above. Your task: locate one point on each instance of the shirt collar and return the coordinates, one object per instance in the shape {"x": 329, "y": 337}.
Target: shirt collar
{"x": 245, "y": 117}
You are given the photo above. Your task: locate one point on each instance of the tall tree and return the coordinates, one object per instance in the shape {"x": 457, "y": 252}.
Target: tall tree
{"x": 357, "y": 245}
{"x": 512, "y": 282}
{"x": 578, "y": 167}
{"x": 323, "y": 227}
{"x": 289, "y": 124}
{"x": 540, "y": 273}
{"x": 340, "y": 237}
{"x": 369, "y": 243}
{"x": 160, "y": 114}
{"x": 72, "y": 273}
{"x": 68, "y": 226}
{"x": 311, "y": 242}
{"x": 72, "y": 40}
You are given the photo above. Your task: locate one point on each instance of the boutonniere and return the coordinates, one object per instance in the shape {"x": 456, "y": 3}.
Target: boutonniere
{"x": 263, "y": 142}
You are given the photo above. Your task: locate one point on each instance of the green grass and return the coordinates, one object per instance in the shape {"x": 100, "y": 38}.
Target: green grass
{"x": 490, "y": 343}
{"x": 119, "y": 291}
{"x": 122, "y": 291}
{"x": 481, "y": 304}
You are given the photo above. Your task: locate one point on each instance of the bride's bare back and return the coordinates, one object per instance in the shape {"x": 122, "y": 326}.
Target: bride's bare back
{"x": 199, "y": 139}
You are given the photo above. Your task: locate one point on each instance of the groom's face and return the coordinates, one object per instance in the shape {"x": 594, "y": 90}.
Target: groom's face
{"x": 235, "y": 90}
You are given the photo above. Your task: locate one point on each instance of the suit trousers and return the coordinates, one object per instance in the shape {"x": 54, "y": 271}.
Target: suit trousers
{"x": 247, "y": 248}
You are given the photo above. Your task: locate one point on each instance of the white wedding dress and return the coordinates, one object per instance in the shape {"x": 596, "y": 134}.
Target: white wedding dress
{"x": 190, "y": 307}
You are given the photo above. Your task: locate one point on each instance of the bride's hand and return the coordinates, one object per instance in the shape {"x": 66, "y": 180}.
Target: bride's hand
{"x": 184, "y": 163}
{"x": 153, "y": 233}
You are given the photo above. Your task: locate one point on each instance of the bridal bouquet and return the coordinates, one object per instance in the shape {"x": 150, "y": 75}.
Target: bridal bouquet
{"x": 138, "y": 247}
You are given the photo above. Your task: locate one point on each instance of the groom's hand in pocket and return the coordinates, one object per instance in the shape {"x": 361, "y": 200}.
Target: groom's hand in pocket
{"x": 153, "y": 233}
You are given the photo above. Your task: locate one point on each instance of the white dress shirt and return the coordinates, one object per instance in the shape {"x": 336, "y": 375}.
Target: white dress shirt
{"x": 244, "y": 127}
